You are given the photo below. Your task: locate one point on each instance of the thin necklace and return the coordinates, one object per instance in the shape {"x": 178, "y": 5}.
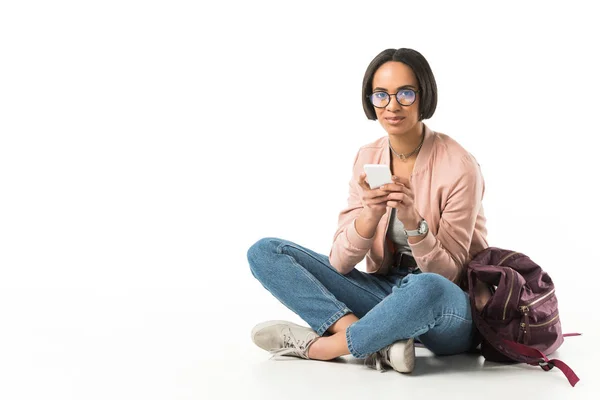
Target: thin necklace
{"x": 403, "y": 157}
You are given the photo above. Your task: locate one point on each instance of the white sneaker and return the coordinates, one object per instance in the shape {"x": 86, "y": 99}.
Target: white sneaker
{"x": 283, "y": 338}
{"x": 399, "y": 355}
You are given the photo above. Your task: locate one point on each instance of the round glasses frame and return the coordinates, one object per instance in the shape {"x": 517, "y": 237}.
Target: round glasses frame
{"x": 389, "y": 97}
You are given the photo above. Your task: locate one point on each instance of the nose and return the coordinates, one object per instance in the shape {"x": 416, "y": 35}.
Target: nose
{"x": 393, "y": 104}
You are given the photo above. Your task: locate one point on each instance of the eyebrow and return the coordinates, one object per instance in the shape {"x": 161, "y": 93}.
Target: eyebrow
{"x": 398, "y": 88}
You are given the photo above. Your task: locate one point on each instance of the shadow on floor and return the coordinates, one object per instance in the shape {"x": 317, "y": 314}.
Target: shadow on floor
{"x": 426, "y": 363}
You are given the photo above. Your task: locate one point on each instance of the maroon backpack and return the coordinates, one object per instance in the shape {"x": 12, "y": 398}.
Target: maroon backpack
{"x": 520, "y": 322}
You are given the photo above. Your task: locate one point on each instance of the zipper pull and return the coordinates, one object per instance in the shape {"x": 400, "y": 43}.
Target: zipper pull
{"x": 525, "y": 324}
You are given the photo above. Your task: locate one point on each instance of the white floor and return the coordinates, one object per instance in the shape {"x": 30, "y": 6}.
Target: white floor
{"x": 145, "y": 145}
{"x": 171, "y": 344}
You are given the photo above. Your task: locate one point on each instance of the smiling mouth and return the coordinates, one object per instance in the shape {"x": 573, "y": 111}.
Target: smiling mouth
{"x": 394, "y": 120}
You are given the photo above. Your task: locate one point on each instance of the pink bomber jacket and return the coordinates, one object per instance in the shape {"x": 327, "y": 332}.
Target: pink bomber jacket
{"x": 448, "y": 188}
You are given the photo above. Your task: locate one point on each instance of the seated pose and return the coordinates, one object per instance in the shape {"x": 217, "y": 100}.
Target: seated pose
{"x": 417, "y": 234}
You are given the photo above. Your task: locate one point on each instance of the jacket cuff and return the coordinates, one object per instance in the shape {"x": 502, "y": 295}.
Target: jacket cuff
{"x": 424, "y": 247}
{"x": 356, "y": 240}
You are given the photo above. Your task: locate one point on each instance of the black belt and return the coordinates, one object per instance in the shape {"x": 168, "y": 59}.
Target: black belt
{"x": 404, "y": 260}
{"x": 405, "y": 263}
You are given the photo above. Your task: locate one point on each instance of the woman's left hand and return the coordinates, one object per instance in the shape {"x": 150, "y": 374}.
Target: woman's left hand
{"x": 482, "y": 295}
{"x": 401, "y": 198}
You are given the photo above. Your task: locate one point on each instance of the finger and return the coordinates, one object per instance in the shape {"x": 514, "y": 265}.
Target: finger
{"x": 400, "y": 204}
{"x": 376, "y": 200}
{"x": 376, "y": 205}
{"x": 362, "y": 181}
{"x": 379, "y": 192}
{"x": 405, "y": 188}
{"x": 405, "y": 192}
{"x": 370, "y": 193}
{"x": 403, "y": 203}
{"x": 401, "y": 199}
{"x": 397, "y": 196}
{"x": 398, "y": 180}
{"x": 393, "y": 187}
{"x": 406, "y": 200}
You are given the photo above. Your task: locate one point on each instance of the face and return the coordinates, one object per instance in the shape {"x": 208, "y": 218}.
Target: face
{"x": 391, "y": 77}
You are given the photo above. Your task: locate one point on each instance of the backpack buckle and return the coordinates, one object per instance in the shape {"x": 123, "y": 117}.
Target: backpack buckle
{"x": 546, "y": 365}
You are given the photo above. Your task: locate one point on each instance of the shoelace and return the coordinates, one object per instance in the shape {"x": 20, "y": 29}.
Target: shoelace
{"x": 293, "y": 346}
{"x": 378, "y": 359}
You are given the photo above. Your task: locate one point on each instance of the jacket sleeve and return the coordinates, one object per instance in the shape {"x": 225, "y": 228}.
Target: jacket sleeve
{"x": 447, "y": 251}
{"x": 349, "y": 248}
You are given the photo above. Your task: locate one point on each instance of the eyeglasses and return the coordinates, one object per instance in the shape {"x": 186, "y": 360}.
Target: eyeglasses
{"x": 405, "y": 97}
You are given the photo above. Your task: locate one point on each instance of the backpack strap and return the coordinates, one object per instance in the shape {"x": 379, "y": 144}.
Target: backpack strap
{"x": 546, "y": 364}
{"x": 571, "y": 334}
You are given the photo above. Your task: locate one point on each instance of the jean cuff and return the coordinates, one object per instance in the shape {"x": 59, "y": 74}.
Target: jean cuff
{"x": 351, "y": 346}
{"x": 323, "y": 328}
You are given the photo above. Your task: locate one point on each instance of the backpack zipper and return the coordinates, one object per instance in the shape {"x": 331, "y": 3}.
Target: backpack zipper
{"x": 506, "y": 258}
{"x": 544, "y": 323}
{"x": 525, "y": 326}
{"x": 512, "y": 279}
{"x": 525, "y": 311}
{"x": 539, "y": 299}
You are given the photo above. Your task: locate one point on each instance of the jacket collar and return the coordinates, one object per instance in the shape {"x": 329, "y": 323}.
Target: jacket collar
{"x": 425, "y": 152}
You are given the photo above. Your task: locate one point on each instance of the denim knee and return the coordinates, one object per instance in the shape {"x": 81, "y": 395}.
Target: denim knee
{"x": 429, "y": 280}
{"x": 259, "y": 253}
{"x": 424, "y": 285}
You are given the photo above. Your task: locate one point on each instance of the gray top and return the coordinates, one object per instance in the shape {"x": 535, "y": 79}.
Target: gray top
{"x": 396, "y": 233}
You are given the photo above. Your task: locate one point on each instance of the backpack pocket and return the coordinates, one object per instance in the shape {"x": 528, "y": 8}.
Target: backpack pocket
{"x": 539, "y": 332}
{"x": 538, "y": 312}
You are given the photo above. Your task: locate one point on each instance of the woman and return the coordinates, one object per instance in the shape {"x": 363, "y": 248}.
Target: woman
{"x": 416, "y": 233}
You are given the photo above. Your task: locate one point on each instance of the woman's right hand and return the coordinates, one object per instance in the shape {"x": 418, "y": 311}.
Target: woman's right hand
{"x": 374, "y": 201}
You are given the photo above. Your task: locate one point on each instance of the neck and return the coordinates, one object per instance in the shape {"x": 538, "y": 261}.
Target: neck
{"x": 408, "y": 141}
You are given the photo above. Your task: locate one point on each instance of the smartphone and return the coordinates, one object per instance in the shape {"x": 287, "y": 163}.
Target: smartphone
{"x": 378, "y": 174}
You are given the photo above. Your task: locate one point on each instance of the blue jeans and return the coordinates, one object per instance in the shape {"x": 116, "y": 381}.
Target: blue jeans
{"x": 424, "y": 306}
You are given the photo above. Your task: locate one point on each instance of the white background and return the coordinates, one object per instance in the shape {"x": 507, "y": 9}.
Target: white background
{"x": 146, "y": 145}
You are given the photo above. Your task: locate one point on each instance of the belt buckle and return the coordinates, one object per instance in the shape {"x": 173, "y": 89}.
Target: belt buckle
{"x": 400, "y": 259}
{"x": 404, "y": 256}
{"x": 410, "y": 266}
